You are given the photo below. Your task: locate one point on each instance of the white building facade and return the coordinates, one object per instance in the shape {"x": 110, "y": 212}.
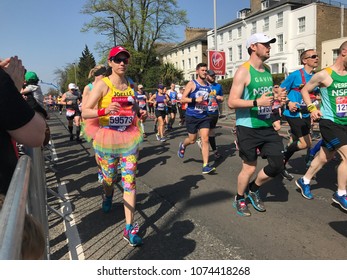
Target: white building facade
{"x": 294, "y": 29}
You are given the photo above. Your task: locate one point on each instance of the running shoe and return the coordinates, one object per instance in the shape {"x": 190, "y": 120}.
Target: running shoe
{"x": 163, "y": 139}
{"x": 286, "y": 175}
{"x": 241, "y": 207}
{"x": 71, "y": 137}
{"x": 158, "y": 137}
{"x": 198, "y": 141}
{"x": 208, "y": 169}
{"x": 131, "y": 236}
{"x": 106, "y": 202}
{"x": 256, "y": 201}
{"x": 315, "y": 136}
{"x": 181, "y": 150}
{"x": 340, "y": 200}
{"x": 304, "y": 188}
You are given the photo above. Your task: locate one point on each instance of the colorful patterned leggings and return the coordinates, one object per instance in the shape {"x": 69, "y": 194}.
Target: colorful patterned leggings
{"x": 128, "y": 165}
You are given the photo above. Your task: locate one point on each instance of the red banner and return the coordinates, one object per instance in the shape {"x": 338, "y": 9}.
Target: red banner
{"x": 216, "y": 61}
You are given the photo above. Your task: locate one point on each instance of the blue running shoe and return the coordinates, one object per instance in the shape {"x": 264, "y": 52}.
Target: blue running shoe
{"x": 208, "y": 169}
{"x": 181, "y": 150}
{"x": 130, "y": 235}
{"x": 304, "y": 188}
{"x": 241, "y": 207}
{"x": 340, "y": 200}
{"x": 106, "y": 202}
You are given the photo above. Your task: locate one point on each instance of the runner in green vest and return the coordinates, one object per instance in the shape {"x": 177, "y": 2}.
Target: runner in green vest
{"x": 252, "y": 95}
{"x": 332, "y": 122}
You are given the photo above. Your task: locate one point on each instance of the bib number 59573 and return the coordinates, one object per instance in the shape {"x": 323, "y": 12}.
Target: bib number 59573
{"x": 120, "y": 120}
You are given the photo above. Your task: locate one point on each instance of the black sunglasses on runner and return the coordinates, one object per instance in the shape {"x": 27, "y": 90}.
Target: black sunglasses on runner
{"x": 118, "y": 60}
{"x": 313, "y": 56}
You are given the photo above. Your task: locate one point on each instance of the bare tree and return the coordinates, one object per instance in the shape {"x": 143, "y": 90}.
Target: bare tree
{"x": 138, "y": 24}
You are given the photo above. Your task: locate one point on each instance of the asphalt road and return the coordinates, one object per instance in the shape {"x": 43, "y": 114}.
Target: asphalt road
{"x": 184, "y": 214}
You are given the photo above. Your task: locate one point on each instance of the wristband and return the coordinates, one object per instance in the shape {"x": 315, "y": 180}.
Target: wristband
{"x": 311, "y": 108}
{"x": 255, "y": 103}
{"x": 102, "y": 112}
{"x": 193, "y": 99}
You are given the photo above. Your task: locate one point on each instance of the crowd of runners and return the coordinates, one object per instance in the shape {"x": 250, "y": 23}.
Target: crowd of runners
{"x": 112, "y": 110}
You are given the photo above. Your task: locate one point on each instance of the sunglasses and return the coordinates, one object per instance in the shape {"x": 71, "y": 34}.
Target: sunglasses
{"x": 312, "y": 56}
{"x": 118, "y": 60}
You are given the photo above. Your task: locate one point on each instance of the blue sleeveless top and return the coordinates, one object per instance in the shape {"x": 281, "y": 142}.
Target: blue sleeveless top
{"x": 195, "y": 109}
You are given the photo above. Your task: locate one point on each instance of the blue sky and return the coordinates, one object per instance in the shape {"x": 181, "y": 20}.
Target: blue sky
{"x": 46, "y": 34}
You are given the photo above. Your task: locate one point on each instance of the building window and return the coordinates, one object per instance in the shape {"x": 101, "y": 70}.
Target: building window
{"x": 196, "y": 60}
{"x": 189, "y": 63}
{"x": 196, "y": 47}
{"x": 279, "y": 22}
{"x": 188, "y": 49}
{"x": 264, "y": 4}
{"x": 239, "y": 32}
{"x": 183, "y": 64}
{"x": 222, "y": 38}
{"x": 230, "y": 50}
{"x": 230, "y": 35}
{"x": 335, "y": 54}
{"x": 176, "y": 65}
{"x": 266, "y": 24}
{"x": 302, "y": 24}
{"x": 280, "y": 43}
{"x": 239, "y": 50}
{"x": 254, "y": 27}
{"x": 182, "y": 51}
{"x": 300, "y": 51}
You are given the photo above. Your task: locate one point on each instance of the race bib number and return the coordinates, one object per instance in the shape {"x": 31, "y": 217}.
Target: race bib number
{"x": 264, "y": 113}
{"x": 142, "y": 104}
{"x": 201, "y": 107}
{"x": 120, "y": 120}
{"x": 70, "y": 112}
{"x": 341, "y": 106}
{"x": 161, "y": 106}
{"x": 213, "y": 107}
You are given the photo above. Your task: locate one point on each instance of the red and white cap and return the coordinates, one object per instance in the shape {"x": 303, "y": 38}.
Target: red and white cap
{"x": 117, "y": 50}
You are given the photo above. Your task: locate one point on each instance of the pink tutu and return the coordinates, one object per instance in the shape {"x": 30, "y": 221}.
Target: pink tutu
{"x": 89, "y": 128}
{"x": 113, "y": 141}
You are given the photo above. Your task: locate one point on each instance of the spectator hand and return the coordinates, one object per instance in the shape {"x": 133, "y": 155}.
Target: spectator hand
{"x": 14, "y": 68}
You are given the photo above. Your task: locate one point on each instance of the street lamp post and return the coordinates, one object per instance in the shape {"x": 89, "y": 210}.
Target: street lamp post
{"x": 215, "y": 23}
{"x": 114, "y": 31}
{"x": 74, "y": 66}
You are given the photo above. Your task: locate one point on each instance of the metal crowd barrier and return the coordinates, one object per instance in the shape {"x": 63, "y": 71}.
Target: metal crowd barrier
{"x": 26, "y": 194}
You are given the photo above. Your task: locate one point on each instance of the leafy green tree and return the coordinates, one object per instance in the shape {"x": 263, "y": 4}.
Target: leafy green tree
{"x": 139, "y": 24}
{"x": 66, "y": 76}
{"x": 169, "y": 74}
{"x": 86, "y": 63}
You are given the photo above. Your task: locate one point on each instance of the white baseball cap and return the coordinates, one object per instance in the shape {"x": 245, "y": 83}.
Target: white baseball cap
{"x": 72, "y": 86}
{"x": 140, "y": 86}
{"x": 259, "y": 38}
